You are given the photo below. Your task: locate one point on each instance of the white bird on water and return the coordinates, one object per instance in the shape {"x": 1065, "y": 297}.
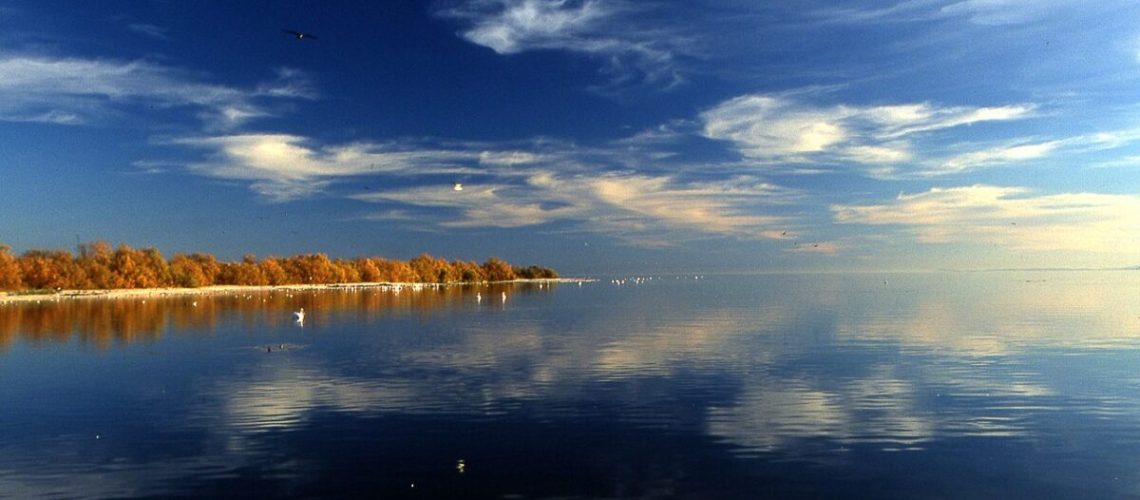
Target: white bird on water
{"x": 300, "y": 316}
{"x": 478, "y": 297}
{"x": 504, "y": 296}
{"x": 458, "y": 186}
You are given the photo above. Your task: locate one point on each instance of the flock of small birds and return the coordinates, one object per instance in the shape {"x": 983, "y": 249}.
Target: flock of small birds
{"x": 638, "y": 280}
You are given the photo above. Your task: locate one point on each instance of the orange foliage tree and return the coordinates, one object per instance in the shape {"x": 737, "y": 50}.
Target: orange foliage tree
{"x": 273, "y": 272}
{"x": 98, "y": 266}
{"x": 42, "y": 269}
{"x": 497, "y": 269}
{"x": 11, "y": 278}
{"x": 139, "y": 268}
{"x": 246, "y": 272}
{"x": 429, "y": 269}
{"x": 95, "y": 259}
{"x": 193, "y": 270}
{"x": 468, "y": 272}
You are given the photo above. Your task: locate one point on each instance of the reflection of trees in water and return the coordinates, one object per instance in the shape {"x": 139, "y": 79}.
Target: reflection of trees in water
{"x": 98, "y": 322}
{"x": 104, "y": 321}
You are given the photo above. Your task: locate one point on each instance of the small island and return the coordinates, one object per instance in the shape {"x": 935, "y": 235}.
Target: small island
{"x": 97, "y": 269}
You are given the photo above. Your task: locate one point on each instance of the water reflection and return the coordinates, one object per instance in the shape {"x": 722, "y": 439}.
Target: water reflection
{"x": 120, "y": 321}
{"x": 986, "y": 314}
{"x": 681, "y": 382}
{"x": 796, "y": 367}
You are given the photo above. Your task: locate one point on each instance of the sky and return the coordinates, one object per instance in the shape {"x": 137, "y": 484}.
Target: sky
{"x": 591, "y": 136}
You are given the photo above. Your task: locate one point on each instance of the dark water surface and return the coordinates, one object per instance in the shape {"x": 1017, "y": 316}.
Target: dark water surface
{"x": 955, "y": 385}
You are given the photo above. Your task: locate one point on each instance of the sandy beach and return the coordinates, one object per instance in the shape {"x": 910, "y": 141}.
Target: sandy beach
{"x": 231, "y": 289}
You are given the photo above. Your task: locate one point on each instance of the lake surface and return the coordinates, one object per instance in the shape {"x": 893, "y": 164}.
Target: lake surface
{"x": 948, "y": 385}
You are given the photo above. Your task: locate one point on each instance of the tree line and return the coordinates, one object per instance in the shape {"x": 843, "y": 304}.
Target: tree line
{"x": 99, "y": 266}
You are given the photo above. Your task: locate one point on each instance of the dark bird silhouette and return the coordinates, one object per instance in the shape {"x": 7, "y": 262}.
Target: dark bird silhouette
{"x": 301, "y": 35}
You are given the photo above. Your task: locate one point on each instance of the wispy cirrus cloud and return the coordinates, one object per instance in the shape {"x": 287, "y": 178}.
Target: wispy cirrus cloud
{"x": 639, "y": 190}
{"x": 497, "y": 204}
{"x": 997, "y": 155}
{"x": 1004, "y": 12}
{"x": 283, "y": 167}
{"x": 644, "y": 204}
{"x": 606, "y": 30}
{"x": 644, "y": 210}
{"x": 289, "y": 83}
{"x": 775, "y": 128}
{"x": 75, "y": 91}
{"x": 980, "y": 12}
{"x": 1011, "y": 217}
{"x": 149, "y": 30}
{"x": 503, "y": 187}
{"x": 512, "y": 26}
{"x": 590, "y": 188}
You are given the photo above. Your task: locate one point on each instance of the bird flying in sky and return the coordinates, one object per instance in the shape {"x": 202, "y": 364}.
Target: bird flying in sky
{"x": 300, "y": 35}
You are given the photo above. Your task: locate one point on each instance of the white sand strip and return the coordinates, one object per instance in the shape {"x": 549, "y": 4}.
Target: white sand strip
{"x": 232, "y": 289}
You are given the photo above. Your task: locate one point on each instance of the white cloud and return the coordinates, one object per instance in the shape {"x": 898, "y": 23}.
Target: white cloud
{"x": 72, "y": 91}
{"x": 595, "y": 28}
{"x": 503, "y": 187}
{"x": 887, "y": 153}
{"x": 768, "y": 126}
{"x": 702, "y": 207}
{"x": 508, "y": 158}
{"x": 642, "y": 209}
{"x": 777, "y": 128}
{"x": 980, "y": 12}
{"x": 1010, "y": 217}
{"x": 908, "y": 119}
{"x": 1003, "y": 12}
{"x": 1128, "y": 161}
{"x": 594, "y": 189}
{"x": 291, "y": 83}
{"x": 151, "y": 167}
{"x": 516, "y": 26}
{"x": 975, "y": 159}
{"x": 1108, "y": 140}
{"x": 476, "y": 205}
{"x": 284, "y": 167}
{"x": 149, "y": 30}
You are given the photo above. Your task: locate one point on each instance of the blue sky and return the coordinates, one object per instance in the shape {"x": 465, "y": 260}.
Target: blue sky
{"x": 590, "y": 136}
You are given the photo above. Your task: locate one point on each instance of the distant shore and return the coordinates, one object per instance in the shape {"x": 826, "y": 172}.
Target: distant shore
{"x": 230, "y": 289}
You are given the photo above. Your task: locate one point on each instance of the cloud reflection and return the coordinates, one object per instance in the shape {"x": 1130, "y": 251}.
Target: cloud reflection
{"x": 809, "y": 367}
{"x": 958, "y": 379}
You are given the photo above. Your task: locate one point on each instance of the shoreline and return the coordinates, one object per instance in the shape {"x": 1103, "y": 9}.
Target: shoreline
{"x": 125, "y": 293}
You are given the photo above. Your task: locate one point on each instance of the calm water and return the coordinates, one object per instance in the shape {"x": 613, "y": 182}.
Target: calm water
{"x": 1000, "y": 385}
